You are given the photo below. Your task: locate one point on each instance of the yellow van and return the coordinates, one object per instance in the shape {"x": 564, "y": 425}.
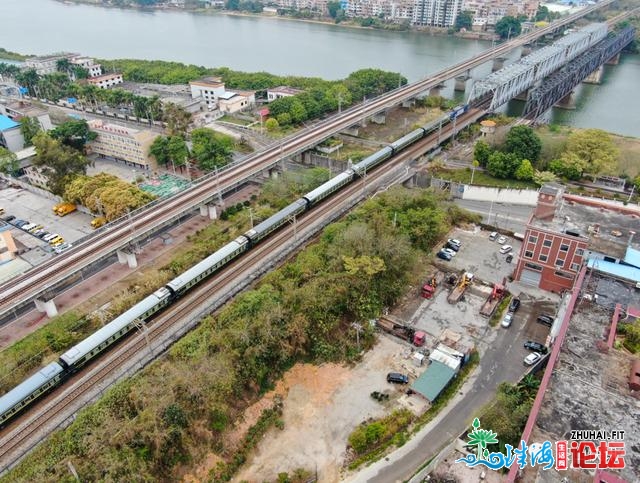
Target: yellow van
{"x": 98, "y": 222}
{"x": 56, "y": 241}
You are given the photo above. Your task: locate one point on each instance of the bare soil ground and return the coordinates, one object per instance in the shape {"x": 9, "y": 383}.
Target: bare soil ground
{"x": 399, "y": 121}
{"x": 322, "y": 405}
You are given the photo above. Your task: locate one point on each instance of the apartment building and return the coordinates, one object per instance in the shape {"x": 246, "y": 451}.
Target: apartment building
{"x": 208, "y": 89}
{"x": 106, "y": 81}
{"x": 87, "y": 63}
{"x": 319, "y": 6}
{"x": 489, "y": 12}
{"x": 436, "y": 13}
{"x": 47, "y": 64}
{"x": 123, "y": 143}
{"x": 368, "y": 8}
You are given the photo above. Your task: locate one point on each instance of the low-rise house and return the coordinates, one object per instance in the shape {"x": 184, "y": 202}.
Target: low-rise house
{"x": 107, "y": 80}
{"x": 16, "y": 110}
{"x": 10, "y": 136}
{"x": 281, "y": 91}
{"x": 231, "y": 102}
{"x": 208, "y": 89}
{"x": 47, "y": 64}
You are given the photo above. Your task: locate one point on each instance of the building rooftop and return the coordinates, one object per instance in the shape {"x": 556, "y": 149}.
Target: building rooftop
{"x": 25, "y": 108}
{"x": 589, "y": 388}
{"x": 208, "y": 82}
{"x": 46, "y": 58}
{"x": 608, "y": 231}
{"x": 286, "y": 90}
{"x": 432, "y": 381}
{"x": 102, "y": 77}
{"x": 227, "y": 95}
{"x": 7, "y": 123}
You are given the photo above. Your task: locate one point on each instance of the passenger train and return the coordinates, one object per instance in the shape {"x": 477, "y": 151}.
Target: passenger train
{"x": 75, "y": 358}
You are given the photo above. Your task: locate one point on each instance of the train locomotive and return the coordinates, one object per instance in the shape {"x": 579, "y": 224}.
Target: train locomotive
{"x": 55, "y": 373}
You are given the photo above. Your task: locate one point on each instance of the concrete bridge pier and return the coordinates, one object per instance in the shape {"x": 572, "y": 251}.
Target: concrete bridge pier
{"x": 409, "y": 102}
{"x": 498, "y": 63}
{"x": 615, "y": 60}
{"x": 436, "y": 90}
{"x": 47, "y": 306}
{"x": 595, "y": 77}
{"x": 461, "y": 82}
{"x": 210, "y": 210}
{"x": 379, "y": 118}
{"x": 567, "y": 102}
{"x": 526, "y": 50}
{"x": 352, "y": 131}
{"x": 126, "y": 256}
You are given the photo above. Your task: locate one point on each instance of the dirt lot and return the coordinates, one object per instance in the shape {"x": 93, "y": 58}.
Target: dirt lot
{"x": 322, "y": 405}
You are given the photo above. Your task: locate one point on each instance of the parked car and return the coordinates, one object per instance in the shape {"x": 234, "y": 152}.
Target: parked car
{"x": 502, "y": 240}
{"x": 449, "y": 251}
{"x": 397, "y": 378}
{"x": 505, "y": 249}
{"x": 509, "y": 258}
{"x": 444, "y": 255}
{"x": 545, "y": 319}
{"x": 19, "y": 223}
{"x": 453, "y": 241}
{"x": 514, "y": 305}
{"x": 532, "y": 358}
{"x": 535, "y": 346}
{"x": 9, "y": 218}
{"x": 493, "y": 235}
{"x": 507, "y": 320}
{"x": 62, "y": 248}
{"x": 42, "y": 234}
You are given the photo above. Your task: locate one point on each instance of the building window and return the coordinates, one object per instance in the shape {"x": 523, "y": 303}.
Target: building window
{"x": 546, "y": 243}
{"x": 575, "y": 267}
{"x": 579, "y": 252}
{"x": 564, "y": 248}
{"x": 559, "y": 262}
{"x": 533, "y": 266}
{"x": 528, "y": 254}
{"x": 543, "y": 258}
{"x": 533, "y": 239}
{"x": 564, "y": 275}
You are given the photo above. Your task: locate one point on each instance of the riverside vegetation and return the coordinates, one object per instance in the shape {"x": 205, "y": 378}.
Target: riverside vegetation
{"x": 160, "y": 423}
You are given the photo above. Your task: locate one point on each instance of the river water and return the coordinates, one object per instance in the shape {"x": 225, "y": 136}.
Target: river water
{"x": 282, "y": 47}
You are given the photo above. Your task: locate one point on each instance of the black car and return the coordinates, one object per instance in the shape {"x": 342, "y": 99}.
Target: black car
{"x": 452, "y": 246}
{"x": 514, "y": 305}
{"x": 9, "y": 218}
{"x": 535, "y": 347}
{"x": 397, "y": 378}
{"x": 545, "y": 319}
{"x": 444, "y": 255}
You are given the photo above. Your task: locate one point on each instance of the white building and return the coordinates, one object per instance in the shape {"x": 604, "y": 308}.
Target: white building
{"x": 16, "y": 110}
{"x": 231, "y": 102}
{"x": 208, "y": 89}
{"x": 282, "y": 91}
{"x": 436, "y": 13}
{"x": 10, "y": 135}
{"x": 106, "y": 81}
{"x": 94, "y": 70}
{"x": 47, "y": 64}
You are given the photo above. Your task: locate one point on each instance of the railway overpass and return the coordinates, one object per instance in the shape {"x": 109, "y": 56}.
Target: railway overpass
{"x": 143, "y": 223}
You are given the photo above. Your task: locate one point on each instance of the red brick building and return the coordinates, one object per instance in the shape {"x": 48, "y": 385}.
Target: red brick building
{"x": 552, "y": 250}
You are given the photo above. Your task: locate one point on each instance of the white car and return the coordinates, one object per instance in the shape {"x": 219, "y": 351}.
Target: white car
{"x": 455, "y": 242}
{"x": 505, "y": 249}
{"x": 532, "y": 358}
{"x": 449, "y": 251}
{"x": 502, "y": 240}
{"x": 506, "y": 322}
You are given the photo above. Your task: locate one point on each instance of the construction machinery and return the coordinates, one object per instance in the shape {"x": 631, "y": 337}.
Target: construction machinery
{"x": 489, "y": 306}
{"x": 396, "y": 327}
{"x": 429, "y": 288}
{"x": 458, "y": 291}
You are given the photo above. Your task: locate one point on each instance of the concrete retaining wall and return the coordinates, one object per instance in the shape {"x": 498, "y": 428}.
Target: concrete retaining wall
{"x": 499, "y": 195}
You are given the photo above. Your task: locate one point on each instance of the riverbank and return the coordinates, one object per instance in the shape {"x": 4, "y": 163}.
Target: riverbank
{"x": 351, "y": 24}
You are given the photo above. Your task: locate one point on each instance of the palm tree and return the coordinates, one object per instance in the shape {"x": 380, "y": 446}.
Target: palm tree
{"x": 28, "y": 78}
{"x": 63, "y": 65}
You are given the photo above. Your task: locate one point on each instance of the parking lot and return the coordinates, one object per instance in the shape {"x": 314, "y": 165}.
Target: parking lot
{"x": 25, "y": 205}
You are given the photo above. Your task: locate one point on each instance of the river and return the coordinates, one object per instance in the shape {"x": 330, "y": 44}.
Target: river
{"x": 282, "y": 46}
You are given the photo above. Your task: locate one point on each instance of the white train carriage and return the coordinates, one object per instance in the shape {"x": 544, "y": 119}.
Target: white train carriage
{"x": 274, "y": 222}
{"x": 372, "y": 161}
{"x": 22, "y": 395}
{"x": 206, "y": 267}
{"x": 331, "y": 186}
{"x": 93, "y": 345}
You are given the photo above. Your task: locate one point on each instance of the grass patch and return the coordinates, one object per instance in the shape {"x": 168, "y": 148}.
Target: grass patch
{"x": 235, "y": 120}
{"x": 8, "y": 55}
{"x": 497, "y": 314}
{"x": 481, "y": 178}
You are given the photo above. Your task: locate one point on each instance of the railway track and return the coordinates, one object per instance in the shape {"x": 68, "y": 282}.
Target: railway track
{"x": 25, "y": 287}
{"x": 31, "y": 428}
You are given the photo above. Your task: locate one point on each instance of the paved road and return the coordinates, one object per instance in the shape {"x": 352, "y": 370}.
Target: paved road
{"x": 500, "y": 215}
{"x": 502, "y": 361}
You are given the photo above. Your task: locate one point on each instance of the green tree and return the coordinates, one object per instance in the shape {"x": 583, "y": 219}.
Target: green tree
{"x": 542, "y": 14}
{"x": 232, "y": 5}
{"x": 508, "y": 27}
{"x": 333, "y": 8}
{"x": 158, "y": 150}
{"x": 29, "y": 127}
{"x": 284, "y": 119}
{"x": 543, "y": 177}
{"x": 177, "y": 119}
{"x": 177, "y": 150}
{"x": 75, "y": 134}
{"x": 591, "y": 152}
{"x": 59, "y": 163}
{"x": 482, "y": 152}
{"x": 211, "y": 149}
{"x": 271, "y": 124}
{"x": 464, "y": 20}
{"x": 8, "y": 162}
{"x": 63, "y": 65}
{"x": 525, "y": 171}
{"x": 524, "y": 143}
{"x": 572, "y": 171}
{"x": 28, "y": 78}
{"x": 503, "y": 165}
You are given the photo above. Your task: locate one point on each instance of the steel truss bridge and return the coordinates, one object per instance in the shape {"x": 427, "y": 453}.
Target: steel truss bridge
{"x": 561, "y": 83}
